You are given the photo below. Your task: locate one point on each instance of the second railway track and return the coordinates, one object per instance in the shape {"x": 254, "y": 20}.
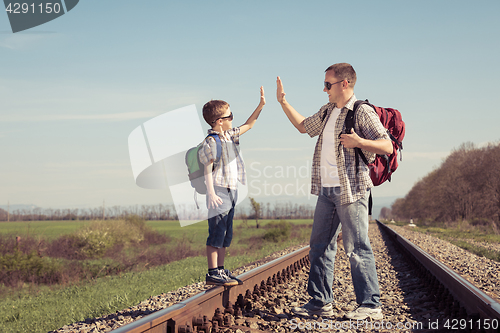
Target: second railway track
{"x": 413, "y": 298}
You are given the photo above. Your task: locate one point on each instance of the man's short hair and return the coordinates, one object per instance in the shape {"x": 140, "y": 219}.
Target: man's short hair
{"x": 344, "y": 71}
{"x": 214, "y": 110}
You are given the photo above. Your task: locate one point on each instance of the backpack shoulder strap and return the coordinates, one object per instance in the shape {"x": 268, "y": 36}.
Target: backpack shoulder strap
{"x": 349, "y": 124}
{"x": 219, "y": 146}
{"x": 349, "y": 119}
{"x": 359, "y": 102}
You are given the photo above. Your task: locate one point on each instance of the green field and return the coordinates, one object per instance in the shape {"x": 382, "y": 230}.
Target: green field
{"x": 41, "y": 308}
{"x": 45, "y": 229}
{"x": 54, "y": 229}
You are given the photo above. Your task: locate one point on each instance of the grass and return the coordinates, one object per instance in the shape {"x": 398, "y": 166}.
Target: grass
{"x": 49, "y": 309}
{"x": 54, "y": 229}
{"x": 477, "y": 250}
{"x": 471, "y": 233}
{"x": 460, "y": 234}
{"x": 43, "y": 229}
{"x": 41, "y": 308}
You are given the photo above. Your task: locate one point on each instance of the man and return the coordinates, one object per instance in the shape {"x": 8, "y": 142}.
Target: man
{"x": 342, "y": 191}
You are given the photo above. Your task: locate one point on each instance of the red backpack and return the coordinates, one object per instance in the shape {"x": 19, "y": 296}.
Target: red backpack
{"x": 384, "y": 165}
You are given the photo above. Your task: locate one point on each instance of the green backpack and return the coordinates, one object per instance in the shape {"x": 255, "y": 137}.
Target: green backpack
{"x": 196, "y": 168}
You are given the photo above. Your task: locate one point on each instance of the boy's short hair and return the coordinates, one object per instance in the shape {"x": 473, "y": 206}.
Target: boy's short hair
{"x": 213, "y": 110}
{"x": 344, "y": 71}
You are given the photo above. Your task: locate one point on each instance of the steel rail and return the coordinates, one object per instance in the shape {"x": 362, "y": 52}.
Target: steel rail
{"x": 477, "y": 303}
{"x": 185, "y": 315}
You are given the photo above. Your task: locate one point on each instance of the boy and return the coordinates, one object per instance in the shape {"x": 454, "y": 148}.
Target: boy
{"x": 221, "y": 178}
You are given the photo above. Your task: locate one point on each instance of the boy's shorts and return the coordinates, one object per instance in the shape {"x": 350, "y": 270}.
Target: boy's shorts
{"x": 220, "y": 221}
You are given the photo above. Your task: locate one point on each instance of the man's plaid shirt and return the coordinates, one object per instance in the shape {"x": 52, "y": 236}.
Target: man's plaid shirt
{"x": 368, "y": 126}
{"x": 221, "y": 174}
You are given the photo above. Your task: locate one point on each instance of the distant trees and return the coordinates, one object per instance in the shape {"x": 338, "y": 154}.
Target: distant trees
{"x": 385, "y": 213}
{"x": 277, "y": 211}
{"x": 465, "y": 187}
{"x": 153, "y": 212}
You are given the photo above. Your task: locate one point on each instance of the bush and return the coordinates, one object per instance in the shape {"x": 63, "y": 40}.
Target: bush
{"x": 104, "y": 238}
{"x": 30, "y": 267}
{"x": 26, "y": 244}
{"x": 153, "y": 237}
{"x": 279, "y": 231}
{"x": 100, "y": 236}
{"x": 67, "y": 247}
{"x": 95, "y": 242}
{"x": 136, "y": 221}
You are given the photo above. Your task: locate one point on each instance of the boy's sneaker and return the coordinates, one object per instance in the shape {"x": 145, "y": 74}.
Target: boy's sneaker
{"x": 220, "y": 279}
{"x": 231, "y": 276}
{"x": 363, "y": 312}
{"x": 308, "y": 310}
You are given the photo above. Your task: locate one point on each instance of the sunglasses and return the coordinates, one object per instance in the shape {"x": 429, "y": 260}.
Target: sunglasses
{"x": 230, "y": 117}
{"x": 329, "y": 85}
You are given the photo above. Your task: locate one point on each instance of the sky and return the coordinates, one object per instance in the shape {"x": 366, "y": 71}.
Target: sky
{"x": 74, "y": 89}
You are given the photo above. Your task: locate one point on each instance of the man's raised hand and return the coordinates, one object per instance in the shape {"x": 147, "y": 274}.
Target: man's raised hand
{"x": 280, "y": 93}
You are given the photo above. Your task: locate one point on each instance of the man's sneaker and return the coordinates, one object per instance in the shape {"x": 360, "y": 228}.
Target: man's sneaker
{"x": 308, "y": 310}
{"x": 231, "y": 276}
{"x": 363, "y": 312}
{"x": 220, "y": 279}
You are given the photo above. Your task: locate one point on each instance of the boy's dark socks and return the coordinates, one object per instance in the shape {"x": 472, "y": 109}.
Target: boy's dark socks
{"x": 220, "y": 267}
{"x": 213, "y": 271}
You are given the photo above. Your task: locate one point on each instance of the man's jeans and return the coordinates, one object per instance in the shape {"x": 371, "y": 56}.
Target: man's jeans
{"x": 328, "y": 216}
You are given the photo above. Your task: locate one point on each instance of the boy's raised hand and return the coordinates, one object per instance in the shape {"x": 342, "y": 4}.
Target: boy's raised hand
{"x": 253, "y": 118}
{"x": 280, "y": 92}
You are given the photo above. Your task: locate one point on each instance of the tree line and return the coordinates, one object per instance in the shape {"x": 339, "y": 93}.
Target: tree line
{"x": 466, "y": 187}
{"x": 277, "y": 210}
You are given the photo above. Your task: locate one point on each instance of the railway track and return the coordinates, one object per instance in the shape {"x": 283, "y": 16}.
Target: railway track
{"x": 433, "y": 298}
{"x": 214, "y": 308}
{"x": 463, "y": 306}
